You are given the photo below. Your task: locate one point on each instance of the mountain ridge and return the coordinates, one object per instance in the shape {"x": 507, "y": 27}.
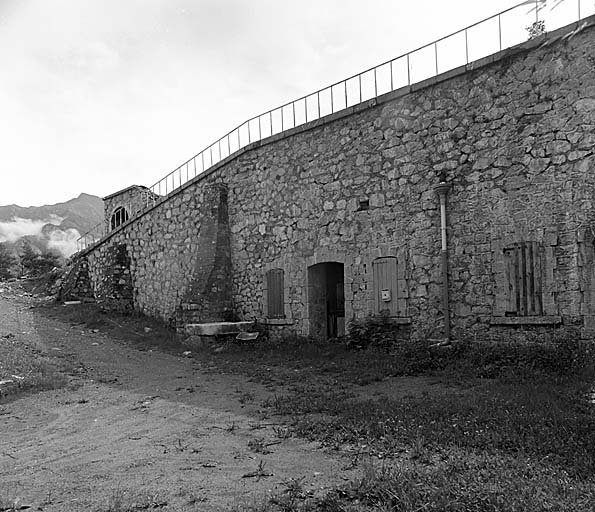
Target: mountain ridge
{"x": 50, "y": 227}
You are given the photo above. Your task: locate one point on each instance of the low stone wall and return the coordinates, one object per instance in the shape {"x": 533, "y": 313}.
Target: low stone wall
{"x": 76, "y": 282}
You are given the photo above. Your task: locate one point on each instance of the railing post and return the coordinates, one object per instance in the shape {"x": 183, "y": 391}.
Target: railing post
{"x": 359, "y": 77}
{"x": 306, "y": 108}
{"x": 579, "y": 9}
{"x": 375, "y": 84}
{"x": 408, "y": 71}
{"x": 318, "y": 102}
{"x": 467, "y": 47}
{"x": 345, "y": 84}
{"x": 436, "y": 55}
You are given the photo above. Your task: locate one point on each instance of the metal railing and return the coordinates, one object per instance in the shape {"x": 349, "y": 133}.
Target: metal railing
{"x": 490, "y": 35}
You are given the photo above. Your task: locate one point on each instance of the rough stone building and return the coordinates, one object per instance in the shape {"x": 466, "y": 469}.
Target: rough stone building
{"x": 340, "y": 218}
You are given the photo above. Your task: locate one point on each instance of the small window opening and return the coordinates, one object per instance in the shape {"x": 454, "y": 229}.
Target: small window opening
{"x": 118, "y": 218}
{"x": 364, "y": 204}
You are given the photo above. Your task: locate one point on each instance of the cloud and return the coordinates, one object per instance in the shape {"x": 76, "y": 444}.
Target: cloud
{"x": 12, "y": 230}
{"x": 64, "y": 241}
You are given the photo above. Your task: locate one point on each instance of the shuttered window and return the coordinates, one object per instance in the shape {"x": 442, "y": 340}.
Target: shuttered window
{"x": 275, "y": 302}
{"x": 385, "y": 285}
{"x": 523, "y": 266}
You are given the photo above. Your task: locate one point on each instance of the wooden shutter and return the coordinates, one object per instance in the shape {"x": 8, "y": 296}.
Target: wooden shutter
{"x": 523, "y": 263}
{"x": 384, "y": 272}
{"x": 275, "y": 295}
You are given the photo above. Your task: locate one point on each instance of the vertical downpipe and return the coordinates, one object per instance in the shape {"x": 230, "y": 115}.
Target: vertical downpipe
{"x": 441, "y": 190}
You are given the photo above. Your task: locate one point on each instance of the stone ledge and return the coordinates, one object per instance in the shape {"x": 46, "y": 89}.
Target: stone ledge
{"x": 277, "y": 321}
{"x": 526, "y": 320}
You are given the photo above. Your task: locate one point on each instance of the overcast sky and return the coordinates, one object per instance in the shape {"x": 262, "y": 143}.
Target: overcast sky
{"x": 96, "y": 95}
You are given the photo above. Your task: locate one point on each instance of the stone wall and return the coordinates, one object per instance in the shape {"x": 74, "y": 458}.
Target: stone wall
{"x": 512, "y": 135}
{"x": 177, "y": 253}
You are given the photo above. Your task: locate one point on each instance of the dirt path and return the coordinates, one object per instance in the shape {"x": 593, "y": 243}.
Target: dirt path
{"x": 158, "y": 428}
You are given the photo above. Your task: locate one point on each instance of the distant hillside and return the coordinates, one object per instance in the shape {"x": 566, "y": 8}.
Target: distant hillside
{"x": 55, "y": 227}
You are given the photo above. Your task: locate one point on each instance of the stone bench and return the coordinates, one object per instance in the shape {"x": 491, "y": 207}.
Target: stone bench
{"x": 216, "y": 328}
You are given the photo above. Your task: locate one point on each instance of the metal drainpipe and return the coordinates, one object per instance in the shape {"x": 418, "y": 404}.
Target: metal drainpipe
{"x": 441, "y": 189}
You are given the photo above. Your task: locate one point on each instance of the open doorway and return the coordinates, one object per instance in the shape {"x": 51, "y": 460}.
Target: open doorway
{"x": 326, "y": 300}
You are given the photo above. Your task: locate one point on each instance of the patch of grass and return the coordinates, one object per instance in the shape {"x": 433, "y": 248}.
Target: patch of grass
{"x": 246, "y": 397}
{"x": 23, "y": 368}
{"x": 258, "y": 445}
{"x": 137, "y": 329}
{"x": 121, "y": 501}
{"x": 521, "y": 439}
{"x": 463, "y": 481}
{"x": 297, "y": 359}
{"x": 546, "y": 421}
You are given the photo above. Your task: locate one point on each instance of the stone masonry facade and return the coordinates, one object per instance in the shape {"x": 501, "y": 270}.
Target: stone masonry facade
{"x": 512, "y": 135}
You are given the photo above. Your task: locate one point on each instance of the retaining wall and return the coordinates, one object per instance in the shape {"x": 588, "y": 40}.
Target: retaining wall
{"x": 512, "y": 135}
